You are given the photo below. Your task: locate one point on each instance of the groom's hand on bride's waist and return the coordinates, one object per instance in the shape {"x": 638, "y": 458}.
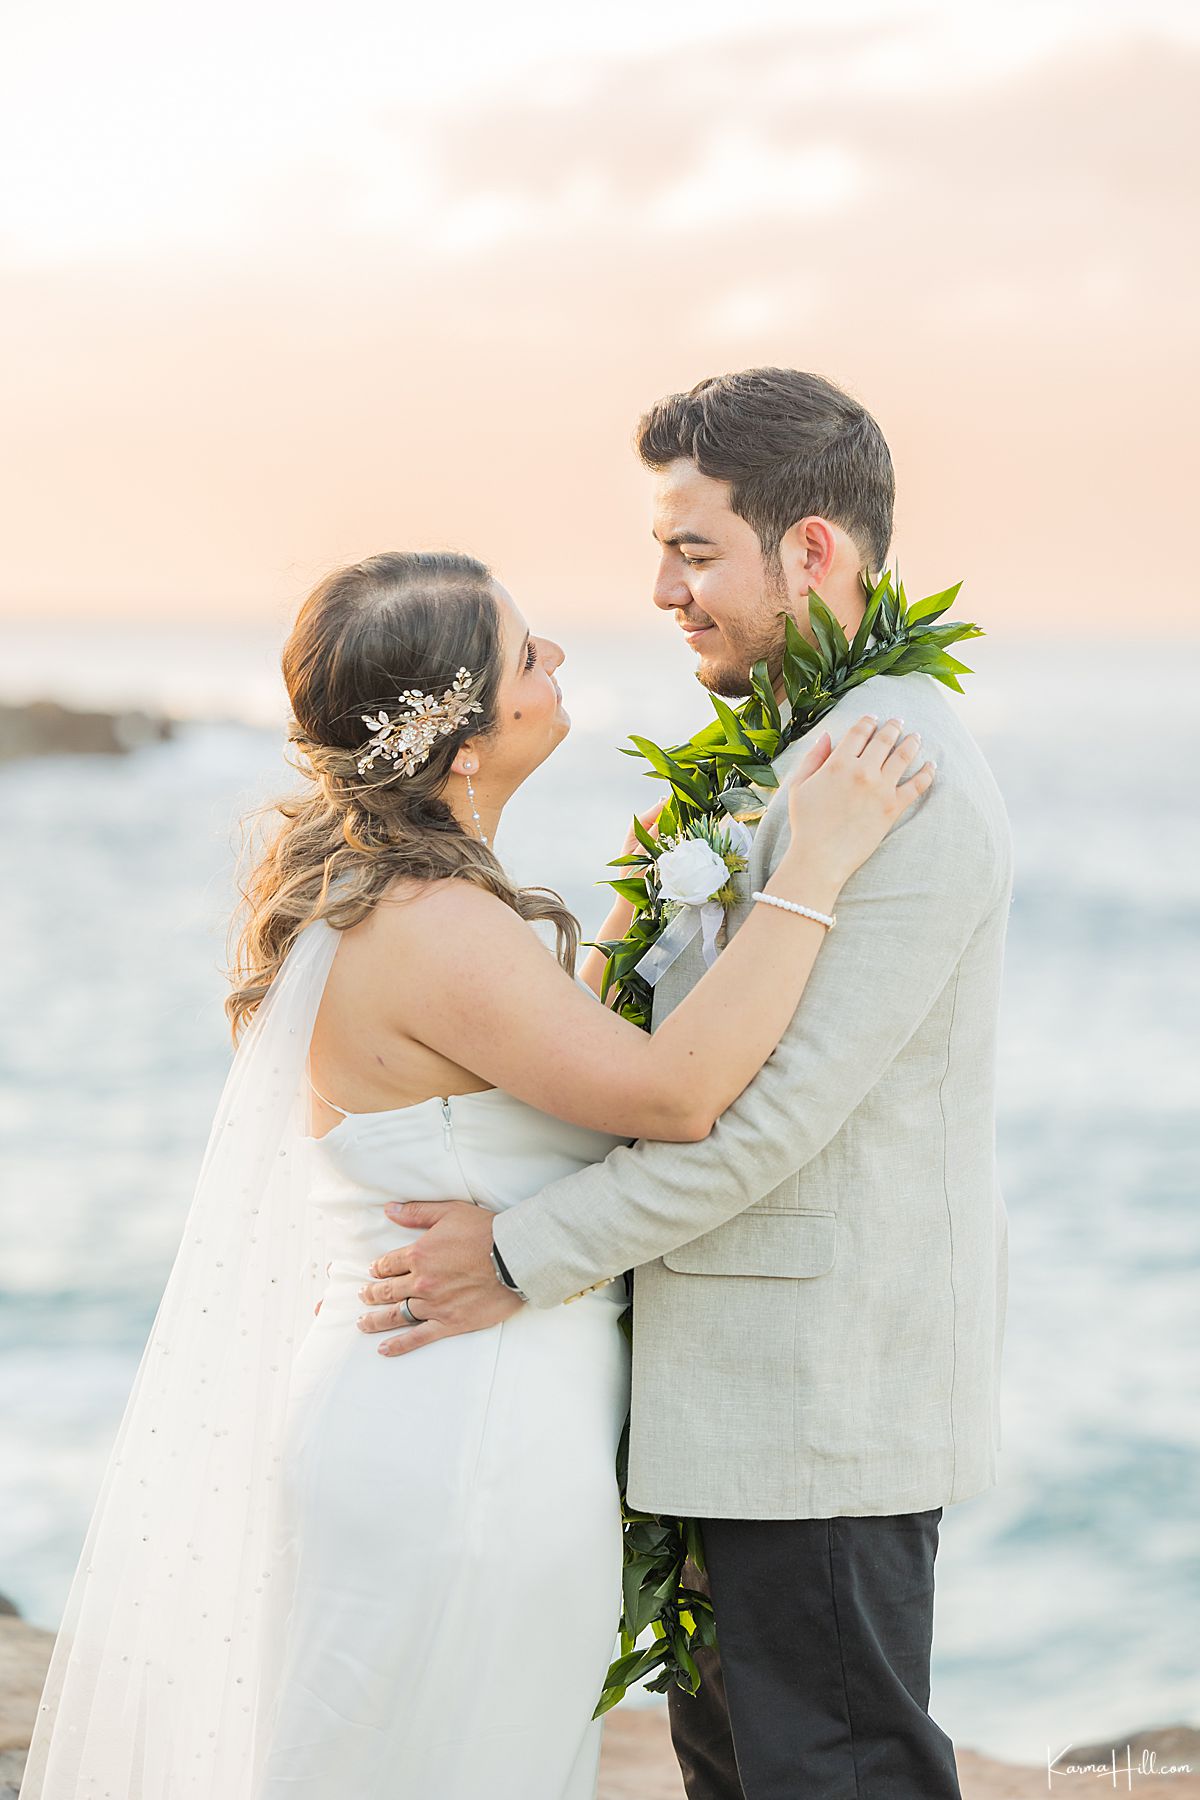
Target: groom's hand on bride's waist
{"x": 447, "y": 1277}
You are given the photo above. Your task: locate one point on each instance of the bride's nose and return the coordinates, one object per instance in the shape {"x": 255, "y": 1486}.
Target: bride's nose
{"x": 557, "y": 654}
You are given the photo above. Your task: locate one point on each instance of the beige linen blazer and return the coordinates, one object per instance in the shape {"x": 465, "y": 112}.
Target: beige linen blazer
{"x": 820, "y": 1284}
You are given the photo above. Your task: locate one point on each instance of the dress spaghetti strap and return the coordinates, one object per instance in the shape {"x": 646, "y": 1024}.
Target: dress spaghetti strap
{"x": 329, "y": 1103}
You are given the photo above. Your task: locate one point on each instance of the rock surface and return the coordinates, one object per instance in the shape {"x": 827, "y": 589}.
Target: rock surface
{"x": 637, "y": 1762}
{"x": 24, "y": 1655}
{"x": 44, "y": 728}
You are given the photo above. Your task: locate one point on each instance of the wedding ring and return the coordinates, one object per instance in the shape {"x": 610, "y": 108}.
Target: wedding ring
{"x": 409, "y": 1314}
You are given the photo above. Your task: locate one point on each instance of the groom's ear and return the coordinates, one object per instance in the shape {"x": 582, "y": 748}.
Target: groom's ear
{"x": 807, "y": 550}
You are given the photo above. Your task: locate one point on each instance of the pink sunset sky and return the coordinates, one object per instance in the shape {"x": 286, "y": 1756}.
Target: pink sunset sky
{"x": 284, "y": 286}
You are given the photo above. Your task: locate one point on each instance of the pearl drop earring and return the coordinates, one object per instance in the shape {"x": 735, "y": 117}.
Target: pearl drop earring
{"x": 474, "y": 811}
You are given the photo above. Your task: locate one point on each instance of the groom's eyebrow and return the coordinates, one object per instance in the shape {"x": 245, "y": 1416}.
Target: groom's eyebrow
{"x": 682, "y": 537}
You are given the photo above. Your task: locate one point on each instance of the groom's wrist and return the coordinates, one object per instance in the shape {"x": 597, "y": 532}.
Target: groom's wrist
{"x": 503, "y": 1276}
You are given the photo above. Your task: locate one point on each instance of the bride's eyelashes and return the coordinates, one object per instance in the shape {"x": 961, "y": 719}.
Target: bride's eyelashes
{"x": 531, "y": 656}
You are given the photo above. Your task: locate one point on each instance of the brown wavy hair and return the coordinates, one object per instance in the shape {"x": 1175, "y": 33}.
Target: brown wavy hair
{"x": 405, "y": 619}
{"x": 789, "y": 444}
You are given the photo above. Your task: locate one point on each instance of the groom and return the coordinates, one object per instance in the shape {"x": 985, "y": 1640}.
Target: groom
{"x": 820, "y": 1284}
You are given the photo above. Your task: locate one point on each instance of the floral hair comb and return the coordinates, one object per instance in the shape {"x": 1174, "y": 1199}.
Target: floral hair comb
{"x": 407, "y": 739}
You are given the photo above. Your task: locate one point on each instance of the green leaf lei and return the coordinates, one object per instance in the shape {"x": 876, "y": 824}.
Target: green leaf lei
{"x": 725, "y": 772}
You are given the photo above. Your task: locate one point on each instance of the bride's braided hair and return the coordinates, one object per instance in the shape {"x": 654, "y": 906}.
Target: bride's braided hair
{"x": 364, "y": 635}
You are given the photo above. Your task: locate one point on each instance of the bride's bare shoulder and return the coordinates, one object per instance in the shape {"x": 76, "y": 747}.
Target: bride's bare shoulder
{"x": 413, "y": 912}
{"x": 422, "y": 938}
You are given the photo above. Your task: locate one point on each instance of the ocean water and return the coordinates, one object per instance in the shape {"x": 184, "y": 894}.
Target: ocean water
{"x": 1069, "y": 1596}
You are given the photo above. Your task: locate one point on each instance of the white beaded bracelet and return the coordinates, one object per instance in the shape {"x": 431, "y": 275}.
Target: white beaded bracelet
{"x": 828, "y": 920}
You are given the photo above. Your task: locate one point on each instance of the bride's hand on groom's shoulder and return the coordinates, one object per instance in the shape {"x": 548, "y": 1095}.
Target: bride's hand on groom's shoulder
{"x": 843, "y": 799}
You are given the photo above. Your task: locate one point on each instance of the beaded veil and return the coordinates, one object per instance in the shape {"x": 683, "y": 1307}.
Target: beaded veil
{"x": 165, "y": 1662}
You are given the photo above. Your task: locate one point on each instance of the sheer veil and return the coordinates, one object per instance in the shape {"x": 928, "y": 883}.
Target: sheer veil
{"x": 162, "y": 1665}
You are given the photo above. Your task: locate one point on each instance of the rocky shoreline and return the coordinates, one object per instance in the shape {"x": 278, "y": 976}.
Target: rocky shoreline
{"x": 637, "y": 1762}
{"x": 47, "y": 728}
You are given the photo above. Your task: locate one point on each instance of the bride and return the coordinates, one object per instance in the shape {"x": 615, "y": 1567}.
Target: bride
{"x": 318, "y": 1572}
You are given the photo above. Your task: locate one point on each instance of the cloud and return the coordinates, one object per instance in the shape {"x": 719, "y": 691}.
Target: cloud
{"x": 450, "y": 339}
{"x": 740, "y": 175}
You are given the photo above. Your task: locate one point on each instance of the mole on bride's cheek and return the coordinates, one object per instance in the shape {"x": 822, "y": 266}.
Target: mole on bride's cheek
{"x": 516, "y": 715}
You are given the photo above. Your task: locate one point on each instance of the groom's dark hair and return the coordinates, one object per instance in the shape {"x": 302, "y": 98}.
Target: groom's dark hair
{"x": 790, "y": 444}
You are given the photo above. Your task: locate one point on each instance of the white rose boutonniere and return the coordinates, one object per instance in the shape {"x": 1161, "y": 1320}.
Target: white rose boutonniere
{"x": 691, "y": 873}
{"x": 694, "y": 874}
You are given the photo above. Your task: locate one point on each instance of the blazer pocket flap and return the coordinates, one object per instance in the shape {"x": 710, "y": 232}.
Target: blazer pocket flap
{"x": 761, "y": 1243}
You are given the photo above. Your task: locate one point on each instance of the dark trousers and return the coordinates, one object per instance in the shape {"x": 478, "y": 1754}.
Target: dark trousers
{"x": 819, "y": 1689}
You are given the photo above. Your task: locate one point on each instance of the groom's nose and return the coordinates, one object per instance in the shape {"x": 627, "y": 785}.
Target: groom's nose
{"x": 670, "y": 590}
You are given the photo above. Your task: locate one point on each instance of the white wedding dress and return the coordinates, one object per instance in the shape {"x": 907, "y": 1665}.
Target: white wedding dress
{"x": 318, "y": 1573}
{"x": 450, "y": 1536}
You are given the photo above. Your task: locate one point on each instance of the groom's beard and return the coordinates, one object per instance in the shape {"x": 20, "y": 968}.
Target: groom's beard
{"x": 759, "y": 640}
{"x": 730, "y": 678}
